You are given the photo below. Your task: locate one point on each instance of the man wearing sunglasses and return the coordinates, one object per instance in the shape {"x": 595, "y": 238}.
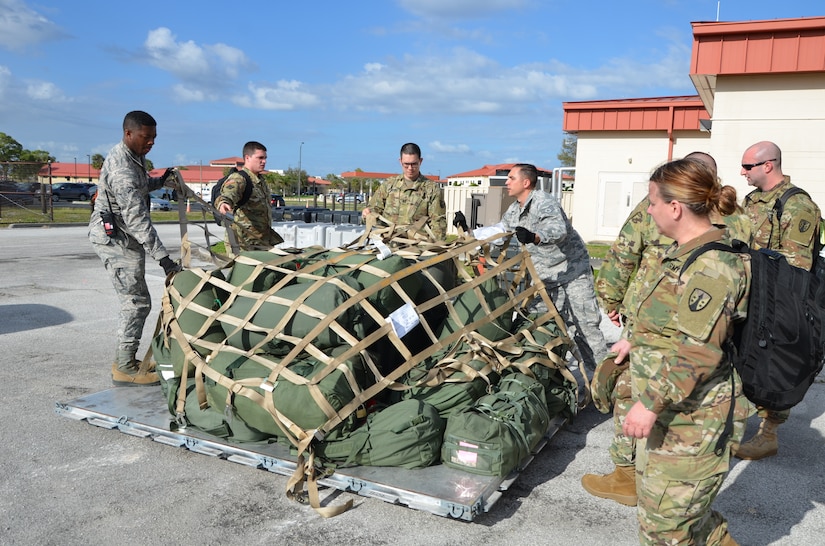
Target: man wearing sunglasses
{"x": 791, "y": 230}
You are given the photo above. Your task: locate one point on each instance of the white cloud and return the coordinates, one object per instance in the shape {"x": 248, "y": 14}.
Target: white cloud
{"x": 209, "y": 65}
{"x": 437, "y": 146}
{"x": 44, "y": 91}
{"x": 21, "y": 26}
{"x": 284, "y": 95}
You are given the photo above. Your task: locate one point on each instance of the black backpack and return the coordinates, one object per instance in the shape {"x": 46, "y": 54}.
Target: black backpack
{"x": 778, "y": 349}
{"x": 216, "y": 191}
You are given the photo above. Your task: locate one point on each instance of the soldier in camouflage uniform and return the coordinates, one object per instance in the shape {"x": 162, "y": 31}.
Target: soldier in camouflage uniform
{"x": 561, "y": 260}
{"x": 629, "y": 268}
{"x": 253, "y": 220}
{"x": 123, "y": 200}
{"x": 409, "y": 197}
{"x": 681, "y": 384}
{"x": 791, "y": 235}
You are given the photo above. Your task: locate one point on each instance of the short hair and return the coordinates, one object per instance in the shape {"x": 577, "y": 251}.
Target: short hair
{"x": 695, "y": 185}
{"x": 705, "y": 158}
{"x": 411, "y": 148}
{"x": 251, "y": 147}
{"x": 528, "y": 171}
{"x": 137, "y": 119}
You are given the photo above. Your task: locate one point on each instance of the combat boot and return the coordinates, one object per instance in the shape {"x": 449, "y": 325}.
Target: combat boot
{"x": 619, "y": 485}
{"x": 128, "y": 372}
{"x": 763, "y": 444}
{"x": 727, "y": 540}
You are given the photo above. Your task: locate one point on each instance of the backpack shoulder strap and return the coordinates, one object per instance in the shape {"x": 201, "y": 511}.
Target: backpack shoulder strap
{"x": 779, "y": 206}
{"x": 247, "y": 189}
{"x": 738, "y": 246}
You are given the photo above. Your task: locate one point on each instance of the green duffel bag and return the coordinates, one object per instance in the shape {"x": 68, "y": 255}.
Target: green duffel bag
{"x": 293, "y": 400}
{"x": 456, "y": 392}
{"x": 324, "y": 299}
{"x": 470, "y": 309}
{"x": 243, "y": 271}
{"x": 406, "y": 434}
{"x": 192, "y": 318}
{"x": 496, "y": 434}
{"x": 214, "y": 421}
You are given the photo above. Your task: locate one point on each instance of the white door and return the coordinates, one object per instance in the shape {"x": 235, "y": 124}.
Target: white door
{"x": 618, "y": 194}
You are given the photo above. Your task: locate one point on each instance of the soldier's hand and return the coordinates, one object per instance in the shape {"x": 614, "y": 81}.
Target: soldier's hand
{"x": 169, "y": 266}
{"x": 525, "y": 236}
{"x": 168, "y": 176}
{"x": 460, "y": 221}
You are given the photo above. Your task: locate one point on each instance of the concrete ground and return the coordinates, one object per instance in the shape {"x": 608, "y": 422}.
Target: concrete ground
{"x": 66, "y": 482}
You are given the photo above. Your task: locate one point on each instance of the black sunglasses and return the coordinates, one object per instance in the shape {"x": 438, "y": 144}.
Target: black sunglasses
{"x": 749, "y": 166}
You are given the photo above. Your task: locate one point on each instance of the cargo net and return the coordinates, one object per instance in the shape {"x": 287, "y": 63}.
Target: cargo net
{"x": 303, "y": 347}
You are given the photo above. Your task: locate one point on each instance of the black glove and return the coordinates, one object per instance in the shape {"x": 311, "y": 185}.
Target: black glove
{"x": 169, "y": 266}
{"x": 169, "y": 172}
{"x": 460, "y": 221}
{"x": 524, "y": 236}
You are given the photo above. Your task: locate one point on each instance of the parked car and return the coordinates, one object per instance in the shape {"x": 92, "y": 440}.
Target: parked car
{"x": 350, "y": 198}
{"x": 71, "y": 191}
{"x": 277, "y": 200}
{"x": 157, "y": 203}
{"x": 17, "y": 192}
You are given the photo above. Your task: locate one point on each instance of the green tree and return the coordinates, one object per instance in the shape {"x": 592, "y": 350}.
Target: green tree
{"x": 19, "y": 163}
{"x": 97, "y": 161}
{"x": 567, "y": 155}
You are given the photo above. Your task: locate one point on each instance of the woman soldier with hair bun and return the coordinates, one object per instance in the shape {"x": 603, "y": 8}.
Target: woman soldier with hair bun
{"x": 680, "y": 374}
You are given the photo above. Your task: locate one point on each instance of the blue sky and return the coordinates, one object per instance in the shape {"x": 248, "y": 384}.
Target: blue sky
{"x": 473, "y": 82}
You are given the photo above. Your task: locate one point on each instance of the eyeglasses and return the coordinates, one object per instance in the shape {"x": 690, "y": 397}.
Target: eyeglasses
{"x": 749, "y": 166}
{"x": 411, "y": 165}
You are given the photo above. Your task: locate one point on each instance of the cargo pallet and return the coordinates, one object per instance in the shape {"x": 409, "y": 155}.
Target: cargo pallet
{"x": 438, "y": 489}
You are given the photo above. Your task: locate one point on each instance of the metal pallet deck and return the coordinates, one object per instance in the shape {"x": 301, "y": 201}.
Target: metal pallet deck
{"x": 438, "y": 489}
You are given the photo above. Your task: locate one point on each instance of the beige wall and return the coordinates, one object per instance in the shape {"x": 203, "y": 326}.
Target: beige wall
{"x": 611, "y": 170}
{"x": 786, "y": 109}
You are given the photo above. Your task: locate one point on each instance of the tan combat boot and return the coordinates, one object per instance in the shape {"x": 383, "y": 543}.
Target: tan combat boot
{"x": 619, "y": 485}
{"x": 727, "y": 540}
{"x": 763, "y": 444}
{"x": 128, "y": 371}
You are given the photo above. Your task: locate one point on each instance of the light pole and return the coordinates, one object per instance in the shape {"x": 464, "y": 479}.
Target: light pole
{"x": 90, "y": 167}
{"x": 300, "y": 151}
{"x": 75, "y": 169}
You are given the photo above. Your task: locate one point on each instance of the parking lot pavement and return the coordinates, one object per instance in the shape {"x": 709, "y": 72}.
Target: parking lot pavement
{"x": 68, "y": 482}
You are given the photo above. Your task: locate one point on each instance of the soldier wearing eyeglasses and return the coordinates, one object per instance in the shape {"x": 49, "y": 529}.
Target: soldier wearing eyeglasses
{"x": 792, "y": 232}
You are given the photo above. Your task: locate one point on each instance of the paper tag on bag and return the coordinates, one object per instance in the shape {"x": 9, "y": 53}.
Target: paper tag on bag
{"x": 403, "y": 320}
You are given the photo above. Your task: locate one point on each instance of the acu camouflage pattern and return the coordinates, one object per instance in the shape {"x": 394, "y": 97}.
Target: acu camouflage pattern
{"x": 253, "y": 220}
{"x": 404, "y": 203}
{"x": 125, "y": 185}
{"x": 561, "y": 256}
{"x": 792, "y": 235}
{"x": 680, "y": 371}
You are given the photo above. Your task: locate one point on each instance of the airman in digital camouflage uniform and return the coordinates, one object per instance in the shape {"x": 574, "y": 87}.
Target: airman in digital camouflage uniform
{"x": 253, "y": 220}
{"x": 680, "y": 373}
{"x": 629, "y": 268}
{"x": 411, "y": 196}
{"x": 560, "y": 257}
{"x": 123, "y": 198}
{"x": 791, "y": 235}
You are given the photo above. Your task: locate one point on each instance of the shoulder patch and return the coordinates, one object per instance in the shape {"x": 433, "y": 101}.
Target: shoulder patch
{"x": 801, "y": 230}
{"x": 701, "y": 305}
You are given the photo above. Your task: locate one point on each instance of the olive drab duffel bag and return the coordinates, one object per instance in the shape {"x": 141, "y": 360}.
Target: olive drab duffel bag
{"x": 407, "y": 434}
{"x": 495, "y": 436}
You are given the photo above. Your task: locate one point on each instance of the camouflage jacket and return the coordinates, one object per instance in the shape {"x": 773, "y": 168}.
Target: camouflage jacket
{"x": 677, "y": 361}
{"x": 124, "y": 187}
{"x": 792, "y": 235}
{"x": 638, "y": 249}
{"x": 405, "y": 202}
{"x": 561, "y": 256}
{"x": 253, "y": 219}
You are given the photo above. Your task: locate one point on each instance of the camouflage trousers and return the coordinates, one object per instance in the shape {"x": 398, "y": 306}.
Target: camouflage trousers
{"x": 577, "y": 305}
{"x": 622, "y": 448}
{"x": 771, "y": 415}
{"x": 125, "y": 261}
{"x": 681, "y": 476}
